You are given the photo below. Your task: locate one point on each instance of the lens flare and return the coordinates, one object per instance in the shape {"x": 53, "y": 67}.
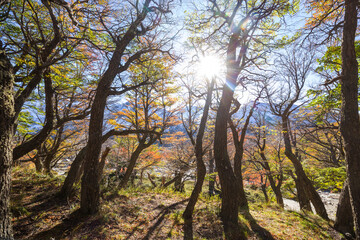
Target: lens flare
{"x": 210, "y": 66}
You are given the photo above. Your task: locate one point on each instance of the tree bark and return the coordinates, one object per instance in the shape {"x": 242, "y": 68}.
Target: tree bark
{"x": 77, "y": 167}
{"x": 102, "y": 162}
{"x": 263, "y": 189}
{"x": 38, "y": 164}
{"x": 7, "y": 115}
{"x": 73, "y": 174}
{"x": 178, "y": 183}
{"x": 200, "y": 168}
{"x": 344, "y": 221}
{"x": 278, "y": 195}
{"x": 350, "y": 125}
{"x": 129, "y": 170}
{"x": 274, "y": 187}
{"x": 41, "y": 136}
{"x": 50, "y": 156}
{"x": 301, "y": 195}
{"x": 228, "y": 180}
{"x": 188, "y": 213}
{"x": 90, "y": 186}
{"x": 176, "y": 178}
{"x": 211, "y": 171}
{"x": 304, "y": 184}
{"x": 239, "y": 152}
{"x": 38, "y": 159}
{"x": 134, "y": 157}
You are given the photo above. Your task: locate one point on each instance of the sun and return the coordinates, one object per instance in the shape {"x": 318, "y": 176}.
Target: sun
{"x": 210, "y": 66}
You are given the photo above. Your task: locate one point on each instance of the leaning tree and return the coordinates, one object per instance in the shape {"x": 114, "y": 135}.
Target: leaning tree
{"x": 129, "y": 39}
{"x": 293, "y": 69}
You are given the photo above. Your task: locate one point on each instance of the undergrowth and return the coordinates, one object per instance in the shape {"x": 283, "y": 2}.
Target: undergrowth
{"x": 144, "y": 213}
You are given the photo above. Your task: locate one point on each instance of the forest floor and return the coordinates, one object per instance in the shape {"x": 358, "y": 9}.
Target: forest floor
{"x": 138, "y": 213}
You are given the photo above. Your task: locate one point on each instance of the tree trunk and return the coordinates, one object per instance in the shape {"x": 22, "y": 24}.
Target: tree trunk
{"x": 276, "y": 188}
{"x": 303, "y": 182}
{"x": 344, "y": 221}
{"x": 177, "y": 176}
{"x": 77, "y": 167}
{"x": 73, "y": 174}
{"x": 133, "y": 177}
{"x": 141, "y": 177}
{"x": 239, "y": 152}
{"x": 102, "y": 162}
{"x": 301, "y": 195}
{"x": 211, "y": 171}
{"x": 38, "y": 164}
{"x": 350, "y": 125}
{"x": 7, "y": 114}
{"x": 278, "y": 195}
{"x": 263, "y": 189}
{"x": 243, "y": 203}
{"x": 134, "y": 157}
{"x": 43, "y": 134}
{"x": 151, "y": 180}
{"x": 47, "y": 165}
{"x": 90, "y": 187}
{"x": 188, "y": 213}
{"x": 38, "y": 160}
{"x": 228, "y": 180}
{"x": 200, "y": 167}
{"x": 50, "y": 156}
{"x": 178, "y": 181}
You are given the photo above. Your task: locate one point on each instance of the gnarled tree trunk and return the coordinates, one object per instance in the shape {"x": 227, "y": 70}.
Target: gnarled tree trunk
{"x": 228, "y": 180}
{"x": 344, "y": 221}
{"x": 7, "y": 114}
{"x": 90, "y": 186}
{"x": 350, "y": 125}
{"x": 73, "y": 174}
{"x": 303, "y": 182}
{"x": 129, "y": 170}
{"x": 239, "y": 152}
{"x": 302, "y": 198}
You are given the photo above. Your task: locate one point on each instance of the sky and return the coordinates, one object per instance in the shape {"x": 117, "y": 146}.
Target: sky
{"x": 293, "y": 23}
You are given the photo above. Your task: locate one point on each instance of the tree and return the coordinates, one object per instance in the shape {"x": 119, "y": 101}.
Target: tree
{"x": 296, "y": 66}
{"x": 321, "y": 136}
{"x": 77, "y": 168}
{"x": 239, "y": 149}
{"x": 237, "y": 24}
{"x": 199, "y": 153}
{"x": 7, "y": 115}
{"x": 350, "y": 123}
{"x": 179, "y": 159}
{"x": 39, "y": 44}
{"x": 6, "y": 118}
{"x": 149, "y": 107}
{"x": 27, "y": 52}
{"x": 341, "y": 18}
{"x": 261, "y": 139}
{"x": 129, "y": 42}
